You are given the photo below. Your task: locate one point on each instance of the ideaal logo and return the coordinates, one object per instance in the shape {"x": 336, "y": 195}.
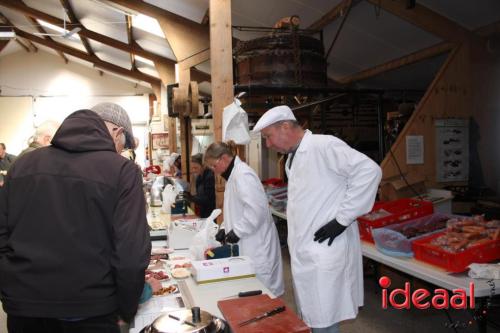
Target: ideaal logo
{"x": 420, "y": 297}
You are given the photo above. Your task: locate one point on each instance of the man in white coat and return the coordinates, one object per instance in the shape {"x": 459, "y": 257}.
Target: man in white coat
{"x": 329, "y": 186}
{"x": 247, "y": 216}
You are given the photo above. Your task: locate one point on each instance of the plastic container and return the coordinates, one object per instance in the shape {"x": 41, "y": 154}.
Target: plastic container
{"x": 392, "y": 212}
{"x": 396, "y": 240}
{"x": 455, "y": 262}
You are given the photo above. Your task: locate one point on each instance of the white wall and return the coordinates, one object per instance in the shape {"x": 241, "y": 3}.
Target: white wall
{"x": 41, "y": 86}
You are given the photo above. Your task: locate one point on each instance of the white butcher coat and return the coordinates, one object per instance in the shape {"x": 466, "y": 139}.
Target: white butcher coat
{"x": 327, "y": 180}
{"x": 246, "y": 211}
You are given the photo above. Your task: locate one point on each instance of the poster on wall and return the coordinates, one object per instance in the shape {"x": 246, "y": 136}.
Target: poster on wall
{"x": 452, "y": 149}
{"x": 414, "y": 149}
{"x": 160, "y": 140}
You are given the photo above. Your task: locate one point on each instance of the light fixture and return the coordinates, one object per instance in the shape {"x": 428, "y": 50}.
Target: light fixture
{"x": 5, "y": 35}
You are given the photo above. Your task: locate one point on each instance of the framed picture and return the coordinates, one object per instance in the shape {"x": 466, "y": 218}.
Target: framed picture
{"x": 160, "y": 140}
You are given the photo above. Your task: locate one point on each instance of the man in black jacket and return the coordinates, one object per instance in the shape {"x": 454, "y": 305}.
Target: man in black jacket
{"x": 74, "y": 241}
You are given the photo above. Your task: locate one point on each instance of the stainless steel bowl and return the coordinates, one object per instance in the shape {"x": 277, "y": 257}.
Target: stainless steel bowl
{"x": 184, "y": 321}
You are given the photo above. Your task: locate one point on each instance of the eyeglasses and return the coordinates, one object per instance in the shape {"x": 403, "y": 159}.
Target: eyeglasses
{"x": 213, "y": 165}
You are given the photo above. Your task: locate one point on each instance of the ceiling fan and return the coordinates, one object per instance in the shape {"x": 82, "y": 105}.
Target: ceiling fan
{"x": 64, "y": 33}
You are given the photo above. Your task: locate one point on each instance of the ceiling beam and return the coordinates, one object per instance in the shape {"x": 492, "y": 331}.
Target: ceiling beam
{"x": 25, "y": 47}
{"x": 3, "y": 44}
{"x": 428, "y": 20}
{"x": 399, "y": 62}
{"x": 337, "y": 11}
{"x": 43, "y": 31}
{"x": 92, "y": 59}
{"x": 195, "y": 59}
{"x": 136, "y": 49}
{"x": 185, "y": 37}
{"x": 75, "y": 21}
{"x": 130, "y": 38}
{"x": 490, "y": 29}
{"x": 199, "y": 76}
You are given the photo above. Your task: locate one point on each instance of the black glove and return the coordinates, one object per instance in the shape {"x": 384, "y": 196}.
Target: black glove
{"x": 187, "y": 196}
{"x": 220, "y": 236}
{"x": 330, "y": 230}
{"x": 231, "y": 237}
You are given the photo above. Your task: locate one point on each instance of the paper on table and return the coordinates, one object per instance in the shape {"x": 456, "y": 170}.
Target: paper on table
{"x": 152, "y": 309}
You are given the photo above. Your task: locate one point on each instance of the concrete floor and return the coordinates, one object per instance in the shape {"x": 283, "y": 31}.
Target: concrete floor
{"x": 373, "y": 319}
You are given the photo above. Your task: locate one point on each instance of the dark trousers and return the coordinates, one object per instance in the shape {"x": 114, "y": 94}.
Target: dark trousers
{"x": 100, "y": 324}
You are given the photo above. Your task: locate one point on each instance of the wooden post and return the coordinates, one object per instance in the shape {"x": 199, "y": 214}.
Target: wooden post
{"x": 184, "y": 76}
{"x": 221, "y": 65}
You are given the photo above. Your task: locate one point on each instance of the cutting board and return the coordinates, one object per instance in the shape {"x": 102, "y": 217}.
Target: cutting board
{"x": 238, "y": 310}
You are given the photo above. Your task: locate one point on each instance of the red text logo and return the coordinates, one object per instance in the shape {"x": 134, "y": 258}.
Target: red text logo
{"x": 423, "y": 299}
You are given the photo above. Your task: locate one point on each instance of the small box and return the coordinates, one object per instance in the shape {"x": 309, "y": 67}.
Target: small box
{"x": 396, "y": 187}
{"x": 215, "y": 270}
{"x": 441, "y": 199}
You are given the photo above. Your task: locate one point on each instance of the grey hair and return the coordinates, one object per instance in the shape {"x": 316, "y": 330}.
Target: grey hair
{"x": 217, "y": 149}
{"x": 48, "y": 127}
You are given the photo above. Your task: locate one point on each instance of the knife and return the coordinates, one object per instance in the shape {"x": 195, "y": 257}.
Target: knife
{"x": 245, "y": 294}
{"x": 262, "y": 316}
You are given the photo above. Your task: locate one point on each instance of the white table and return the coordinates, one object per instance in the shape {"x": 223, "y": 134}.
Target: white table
{"x": 430, "y": 273}
{"x": 483, "y": 289}
{"x": 206, "y": 295}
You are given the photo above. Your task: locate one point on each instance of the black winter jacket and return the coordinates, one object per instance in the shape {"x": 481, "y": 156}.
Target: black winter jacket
{"x": 74, "y": 239}
{"x": 205, "y": 192}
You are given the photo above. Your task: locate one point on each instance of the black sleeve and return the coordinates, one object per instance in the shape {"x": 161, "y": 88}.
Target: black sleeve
{"x": 132, "y": 245}
{"x": 3, "y": 217}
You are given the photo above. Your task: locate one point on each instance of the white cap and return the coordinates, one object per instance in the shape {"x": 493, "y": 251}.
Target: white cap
{"x": 171, "y": 159}
{"x": 272, "y": 116}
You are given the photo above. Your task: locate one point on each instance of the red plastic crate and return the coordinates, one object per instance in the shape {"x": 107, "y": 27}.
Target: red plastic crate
{"x": 393, "y": 212}
{"x": 455, "y": 262}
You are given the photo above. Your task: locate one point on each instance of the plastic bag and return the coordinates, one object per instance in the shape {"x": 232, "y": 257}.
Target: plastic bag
{"x": 205, "y": 238}
{"x": 168, "y": 198}
{"x": 396, "y": 240}
{"x": 235, "y": 123}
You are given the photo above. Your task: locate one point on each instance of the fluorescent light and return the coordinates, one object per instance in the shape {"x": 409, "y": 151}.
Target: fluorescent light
{"x": 7, "y": 35}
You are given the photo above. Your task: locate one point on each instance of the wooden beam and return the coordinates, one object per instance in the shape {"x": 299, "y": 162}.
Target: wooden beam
{"x": 43, "y": 31}
{"x": 75, "y": 21}
{"x": 32, "y": 46}
{"x": 428, "y": 20}
{"x": 184, "y": 36}
{"x": 136, "y": 49}
{"x": 195, "y": 59}
{"x": 199, "y": 76}
{"x": 92, "y": 59}
{"x": 490, "y": 29}
{"x": 337, "y": 11}
{"x": 26, "y": 48}
{"x": 130, "y": 38}
{"x": 3, "y": 44}
{"x": 400, "y": 62}
{"x": 220, "y": 61}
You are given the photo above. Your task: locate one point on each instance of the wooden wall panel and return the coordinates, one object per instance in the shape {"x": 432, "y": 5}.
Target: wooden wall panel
{"x": 448, "y": 96}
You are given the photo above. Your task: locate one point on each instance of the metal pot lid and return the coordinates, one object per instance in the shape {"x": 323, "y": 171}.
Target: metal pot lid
{"x": 167, "y": 323}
